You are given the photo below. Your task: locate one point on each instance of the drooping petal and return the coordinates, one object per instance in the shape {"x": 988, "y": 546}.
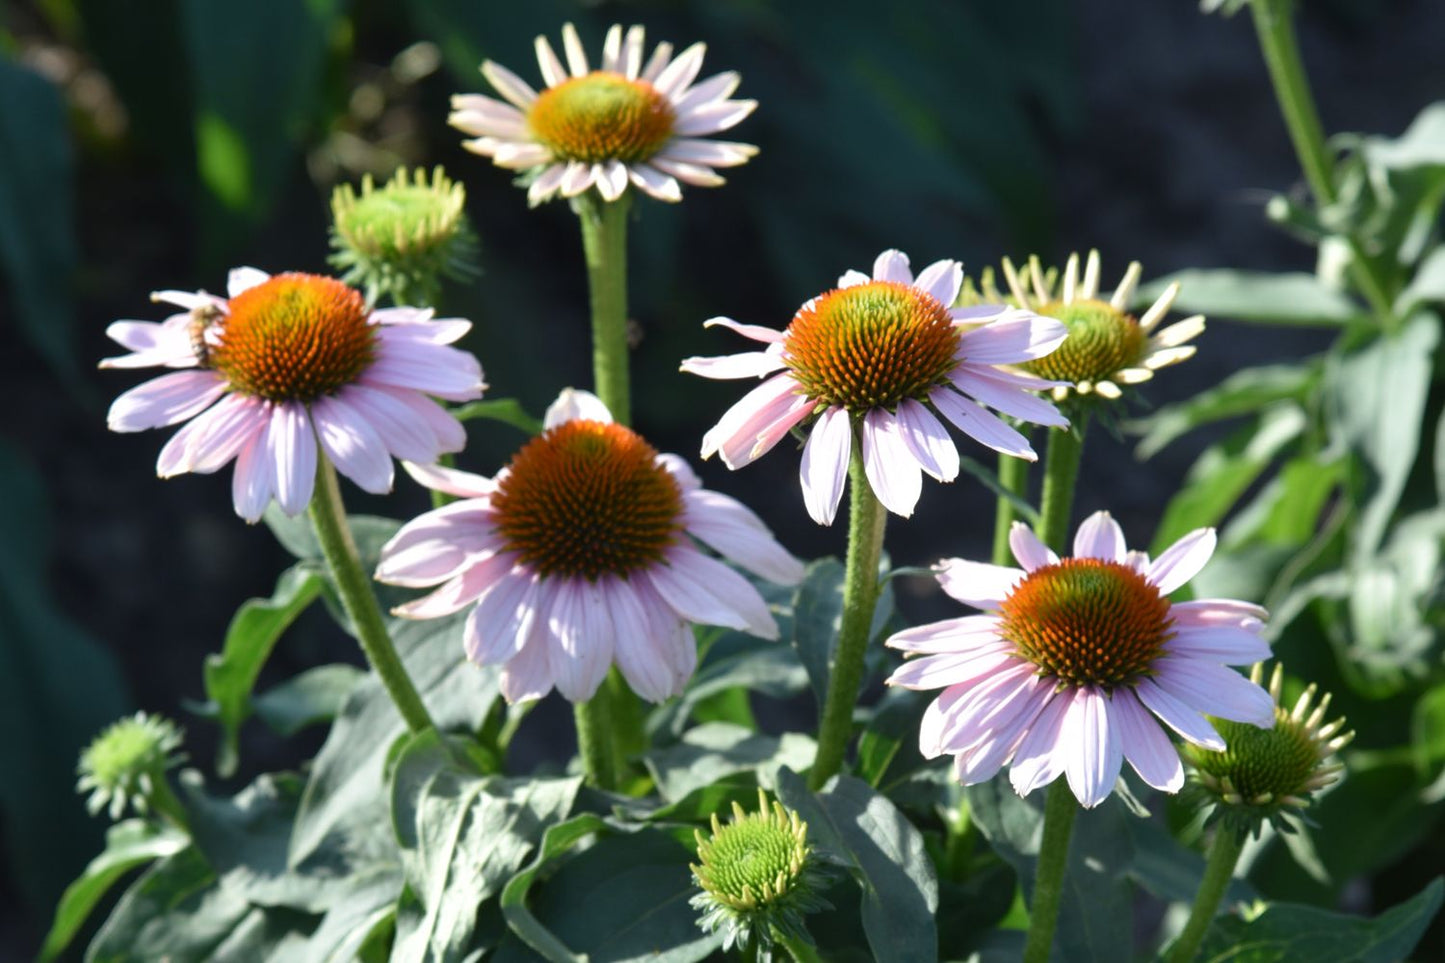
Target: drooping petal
{"x": 500, "y": 624}
{"x": 252, "y": 480}
{"x": 1178, "y": 715}
{"x": 1091, "y": 744}
{"x": 703, "y": 590}
{"x": 893, "y": 472}
{"x": 352, "y": 445}
{"x": 979, "y": 424}
{"x": 1040, "y": 757}
{"x": 1210, "y": 687}
{"x": 928, "y": 440}
{"x": 824, "y": 466}
{"x": 293, "y": 452}
{"x": 639, "y": 652}
{"x": 165, "y": 400}
{"x": 1145, "y": 745}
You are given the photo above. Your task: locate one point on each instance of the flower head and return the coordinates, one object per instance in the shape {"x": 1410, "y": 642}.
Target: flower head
{"x": 758, "y": 874}
{"x": 626, "y": 122}
{"x": 1107, "y": 347}
{"x": 883, "y": 358}
{"x": 402, "y": 238}
{"x": 1265, "y": 775}
{"x": 282, "y": 363}
{"x": 581, "y": 552}
{"x": 121, "y": 765}
{"x": 1077, "y": 661}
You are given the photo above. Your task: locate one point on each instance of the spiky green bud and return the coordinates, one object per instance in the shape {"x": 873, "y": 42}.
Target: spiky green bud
{"x": 126, "y": 764}
{"x": 1265, "y": 775}
{"x": 401, "y": 239}
{"x": 759, "y": 877}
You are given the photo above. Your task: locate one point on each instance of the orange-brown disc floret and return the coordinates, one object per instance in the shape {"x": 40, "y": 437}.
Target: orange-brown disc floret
{"x": 871, "y": 345}
{"x": 602, "y": 116}
{"x": 1087, "y": 622}
{"x": 294, "y": 337}
{"x": 588, "y": 499}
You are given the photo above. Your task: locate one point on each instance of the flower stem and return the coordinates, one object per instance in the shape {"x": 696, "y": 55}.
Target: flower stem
{"x": 604, "y": 244}
{"x": 328, "y": 518}
{"x": 1059, "y": 811}
{"x": 866, "y": 519}
{"x": 798, "y": 950}
{"x": 1218, "y": 871}
{"x": 162, "y": 800}
{"x": 609, "y": 725}
{"x": 1296, "y": 103}
{"x": 1061, "y": 470}
{"x": 1013, "y": 475}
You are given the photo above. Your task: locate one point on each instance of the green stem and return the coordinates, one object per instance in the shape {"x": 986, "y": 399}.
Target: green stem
{"x": 866, "y": 519}
{"x": 604, "y": 244}
{"x": 328, "y": 518}
{"x": 1059, "y": 811}
{"x": 1013, "y": 475}
{"x": 1061, "y": 470}
{"x": 1223, "y": 855}
{"x": 162, "y": 800}
{"x": 594, "y": 740}
{"x": 609, "y": 725}
{"x": 798, "y": 949}
{"x": 1296, "y": 103}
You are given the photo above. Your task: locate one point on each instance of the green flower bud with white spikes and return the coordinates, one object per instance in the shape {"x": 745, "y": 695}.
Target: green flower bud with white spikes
{"x": 126, "y": 765}
{"x": 400, "y": 240}
{"x": 1266, "y": 775}
{"x": 759, "y": 877}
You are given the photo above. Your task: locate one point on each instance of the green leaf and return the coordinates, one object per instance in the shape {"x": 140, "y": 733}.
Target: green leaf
{"x": 506, "y": 410}
{"x": 1377, "y": 399}
{"x": 128, "y": 844}
{"x": 369, "y": 532}
{"x": 736, "y": 662}
{"x": 1224, "y": 472}
{"x": 818, "y": 614}
{"x": 249, "y": 122}
{"x": 1284, "y": 933}
{"x": 1426, "y": 287}
{"x": 315, "y": 695}
{"x": 1242, "y": 393}
{"x": 717, "y": 749}
{"x": 252, "y": 634}
{"x": 624, "y": 899}
{"x": 1290, "y": 298}
{"x": 884, "y": 853}
{"x": 345, "y": 789}
{"x": 1287, "y": 511}
{"x": 893, "y": 729}
{"x": 37, "y": 215}
{"x": 555, "y": 841}
{"x": 463, "y": 837}
{"x": 1096, "y": 913}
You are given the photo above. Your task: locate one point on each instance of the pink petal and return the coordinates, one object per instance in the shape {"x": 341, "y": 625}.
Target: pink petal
{"x": 575, "y": 405}
{"x": 988, "y": 385}
{"x": 892, "y": 265}
{"x": 983, "y": 760}
{"x": 640, "y": 654}
{"x": 293, "y": 452}
{"x": 978, "y": 584}
{"x": 1145, "y": 745}
{"x": 662, "y": 186}
{"x": 928, "y": 440}
{"x": 165, "y": 400}
{"x": 1030, "y": 552}
{"x": 458, "y": 592}
{"x": 509, "y": 85}
{"x": 950, "y": 669}
{"x": 707, "y": 591}
{"x": 962, "y": 634}
{"x": 824, "y": 466}
{"x": 715, "y": 88}
{"x": 1220, "y": 643}
{"x": 463, "y": 484}
{"x": 214, "y": 437}
{"x": 735, "y": 436}
{"x": 1216, "y": 612}
{"x": 681, "y": 72}
{"x": 500, "y": 624}
{"x": 1178, "y": 715}
{"x": 941, "y": 280}
{"x": 1216, "y": 690}
{"x": 681, "y": 473}
{"x": 1016, "y": 336}
{"x": 353, "y": 447}
{"x": 404, "y": 434}
{"x": 979, "y": 424}
{"x": 251, "y": 483}
{"x": 747, "y": 364}
{"x": 754, "y": 331}
{"x": 851, "y": 278}
{"x": 1040, "y": 757}
{"x": 582, "y": 636}
{"x": 1100, "y": 537}
{"x": 1182, "y": 561}
{"x": 528, "y": 674}
{"x": 893, "y": 472}
{"x": 1091, "y": 744}
{"x": 739, "y": 535}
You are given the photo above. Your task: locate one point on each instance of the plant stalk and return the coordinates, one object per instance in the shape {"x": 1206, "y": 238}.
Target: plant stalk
{"x": 1218, "y": 871}
{"x": 1059, "y": 811}
{"x": 1061, "y": 471}
{"x": 1013, "y": 475}
{"x": 328, "y": 518}
{"x": 1281, "y": 53}
{"x": 866, "y": 519}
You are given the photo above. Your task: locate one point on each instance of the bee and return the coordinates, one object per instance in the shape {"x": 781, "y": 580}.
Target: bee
{"x": 202, "y": 318}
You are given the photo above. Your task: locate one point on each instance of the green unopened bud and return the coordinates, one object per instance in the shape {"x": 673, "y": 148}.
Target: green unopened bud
{"x": 759, "y": 877}
{"x": 126, "y": 764}
{"x": 1267, "y": 774}
{"x": 401, "y": 239}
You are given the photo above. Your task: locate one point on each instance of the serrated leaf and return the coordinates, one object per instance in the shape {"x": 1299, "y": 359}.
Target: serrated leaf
{"x": 1284, "y": 933}
{"x": 128, "y": 845}
{"x": 884, "y": 853}
{"x": 252, "y": 634}
{"x": 1269, "y": 298}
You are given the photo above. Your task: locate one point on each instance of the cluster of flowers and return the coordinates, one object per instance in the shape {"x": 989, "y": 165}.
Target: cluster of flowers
{"x": 588, "y": 549}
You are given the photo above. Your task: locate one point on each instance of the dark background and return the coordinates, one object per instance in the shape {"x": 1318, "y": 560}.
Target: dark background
{"x": 1145, "y": 129}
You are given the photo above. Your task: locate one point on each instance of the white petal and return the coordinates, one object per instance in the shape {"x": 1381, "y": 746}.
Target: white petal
{"x": 893, "y": 473}
{"x": 552, "y": 70}
{"x": 1092, "y": 744}
{"x": 928, "y": 440}
{"x": 980, "y": 425}
{"x": 892, "y": 265}
{"x": 1030, "y": 552}
{"x": 1100, "y": 537}
{"x": 978, "y": 584}
{"x": 293, "y": 451}
{"x": 244, "y": 279}
{"x": 572, "y": 46}
{"x": 824, "y": 466}
{"x": 573, "y": 404}
{"x": 1182, "y": 561}
{"x": 681, "y": 72}
{"x": 509, "y": 85}
{"x": 941, "y": 280}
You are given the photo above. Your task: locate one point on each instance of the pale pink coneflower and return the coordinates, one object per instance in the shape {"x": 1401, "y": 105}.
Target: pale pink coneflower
{"x": 582, "y": 552}
{"x": 283, "y": 364}
{"x": 1078, "y": 661}
{"x": 886, "y": 358}
{"x": 625, "y": 122}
